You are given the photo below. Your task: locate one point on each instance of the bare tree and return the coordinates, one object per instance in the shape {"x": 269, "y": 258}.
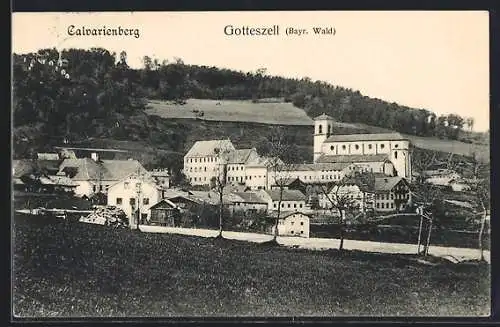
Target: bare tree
{"x": 219, "y": 181}
{"x": 480, "y": 187}
{"x": 279, "y": 168}
{"x": 340, "y": 199}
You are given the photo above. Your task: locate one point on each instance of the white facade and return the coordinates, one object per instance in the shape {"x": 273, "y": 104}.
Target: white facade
{"x": 134, "y": 193}
{"x": 351, "y": 192}
{"x": 256, "y": 177}
{"x": 395, "y": 146}
{"x": 295, "y": 224}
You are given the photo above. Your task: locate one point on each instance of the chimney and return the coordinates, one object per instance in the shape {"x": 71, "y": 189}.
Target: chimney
{"x": 95, "y": 156}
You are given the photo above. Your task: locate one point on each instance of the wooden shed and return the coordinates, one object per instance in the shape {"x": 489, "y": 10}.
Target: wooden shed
{"x": 164, "y": 213}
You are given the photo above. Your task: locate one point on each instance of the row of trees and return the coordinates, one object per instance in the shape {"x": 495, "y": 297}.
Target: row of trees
{"x": 97, "y": 88}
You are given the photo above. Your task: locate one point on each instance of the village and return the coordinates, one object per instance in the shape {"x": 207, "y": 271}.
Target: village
{"x": 352, "y": 176}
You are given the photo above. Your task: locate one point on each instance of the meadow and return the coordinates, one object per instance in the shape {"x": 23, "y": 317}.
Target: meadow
{"x": 64, "y": 269}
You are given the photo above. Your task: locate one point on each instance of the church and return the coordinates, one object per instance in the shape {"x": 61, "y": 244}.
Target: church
{"x": 370, "y": 151}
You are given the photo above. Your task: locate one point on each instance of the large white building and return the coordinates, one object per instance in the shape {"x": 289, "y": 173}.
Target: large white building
{"x": 370, "y": 148}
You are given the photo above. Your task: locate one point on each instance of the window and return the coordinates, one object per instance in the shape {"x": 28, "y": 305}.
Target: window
{"x": 295, "y": 205}
{"x": 395, "y": 154}
{"x": 320, "y": 129}
{"x": 195, "y": 160}
{"x": 291, "y": 232}
{"x": 132, "y": 201}
{"x": 300, "y": 205}
{"x": 274, "y": 205}
{"x": 289, "y": 205}
{"x": 291, "y": 223}
{"x": 94, "y": 188}
{"x": 282, "y": 205}
{"x": 301, "y": 223}
{"x": 356, "y": 147}
{"x": 145, "y": 201}
{"x": 329, "y": 129}
{"x": 396, "y": 145}
{"x": 205, "y": 168}
{"x": 332, "y": 147}
{"x": 382, "y": 146}
{"x": 369, "y": 146}
{"x": 343, "y": 147}
{"x": 302, "y": 232}
{"x": 378, "y": 205}
{"x": 138, "y": 185}
{"x": 119, "y": 201}
{"x": 392, "y": 205}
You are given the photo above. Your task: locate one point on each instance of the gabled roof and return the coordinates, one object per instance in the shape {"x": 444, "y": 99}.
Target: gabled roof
{"x": 288, "y": 195}
{"x": 288, "y": 181}
{"x": 323, "y": 117}
{"x": 385, "y": 184}
{"x": 163, "y": 202}
{"x": 186, "y": 197}
{"x": 261, "y": 162}
{"x": 250, "y": 197}
{"x": 240, "y": 156}
{"x": 25, "y": 166}
{"x": 286, "y": 214}
{"x": 366, "y": 137}
{"x": 114, "y": 170}
{"x": 352, "y": 158}
{"x": 208, "y": 148}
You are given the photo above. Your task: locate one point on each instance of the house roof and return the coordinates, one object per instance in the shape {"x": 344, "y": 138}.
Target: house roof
{"x": 250, "y": 197}
{"x": 286, "y": 214}
{"x": 321, "y": 166}
{"x": 240, "y": 156}
{"x": 288, "y": 195}
{"x": 114, "y": 170}
{"x": 366, "y": 137}
{"x": 323, "y": 117}
{"x": 186, "y": 197}
{"x": 262, "y": 162}
{"x": 24, "y": 166}
{"x": 163, "y": 202}
{"x": 57, "y": 180}
{"x": 352, "y": 158}
{"x": 208, "y": 148}
{"x": 288, "y": 181}
{"x": 47, "y": 156}
{"x": 385, "y": 184}
{"x": 159, "y": 173}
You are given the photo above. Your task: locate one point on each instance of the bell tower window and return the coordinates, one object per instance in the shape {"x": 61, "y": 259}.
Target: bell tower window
{"x": 320, "y": 129}
{"x": 395, "y": 154}
{"x": 329, "y": 129}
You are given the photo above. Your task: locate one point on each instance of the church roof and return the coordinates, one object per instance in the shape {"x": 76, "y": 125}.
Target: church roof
{"x": 365, "y": 137}
{"x": 323, "y": 117}
{"x": 320, "y": 166}
{"x": 352, "y": 158}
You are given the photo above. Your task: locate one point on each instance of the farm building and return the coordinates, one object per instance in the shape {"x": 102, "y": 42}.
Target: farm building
{"x": 293, "y": 224}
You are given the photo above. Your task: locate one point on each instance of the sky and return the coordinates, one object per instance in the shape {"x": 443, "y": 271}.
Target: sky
{"x": 435, "y": 60}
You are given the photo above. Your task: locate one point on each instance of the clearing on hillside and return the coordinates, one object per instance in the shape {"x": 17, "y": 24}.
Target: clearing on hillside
{"x": 281, "y": 113}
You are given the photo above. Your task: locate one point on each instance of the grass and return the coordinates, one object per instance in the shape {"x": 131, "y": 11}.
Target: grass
{"x": 77, "y": 270}
{"x": 232, "y": 110}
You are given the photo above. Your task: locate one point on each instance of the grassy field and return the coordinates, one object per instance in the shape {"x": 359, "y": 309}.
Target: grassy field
{"x": 67, "y": 270}
{"x": 246, "y": 111}
{"x": 232, "y": 110}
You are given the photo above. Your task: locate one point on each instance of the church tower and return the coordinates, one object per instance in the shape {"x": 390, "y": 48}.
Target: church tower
{"x": 323, "y": 128}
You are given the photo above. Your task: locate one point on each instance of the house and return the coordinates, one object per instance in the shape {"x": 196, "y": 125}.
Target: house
{"x": 290, "y": 199}
{"x": 391, "y": 193}
{"x": 442, "y": 177}
{"x": 185, "y": 202}
{"x": 458, "y": 185}
{"x": 257, "y": 173}
{"x": 236, "y": 164}
{"x": 94, "y": 175}
{"x": 135, "y": 195}
{"x": 161, "y": 176}
{"x": 202, "y": 161}
{"x": 289, "y": 184}
{"x": 394, "y": 146}
{"x": 249, "y": 202}
{"x": 47, "y": 156}
{"x": 293, "y": 223}
{"x": 164, "y": 213}
{"x": 350, "y": 191}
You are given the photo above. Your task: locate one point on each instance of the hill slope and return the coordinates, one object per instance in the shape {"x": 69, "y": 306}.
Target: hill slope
{"x": 73, "y": 269}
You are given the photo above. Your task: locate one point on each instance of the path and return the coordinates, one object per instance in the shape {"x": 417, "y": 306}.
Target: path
{"x": 450, "y": 253}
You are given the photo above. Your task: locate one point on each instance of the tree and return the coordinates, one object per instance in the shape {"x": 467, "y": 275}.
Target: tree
{"x": 341, "y": 199}
{"x": 279, "y": 169}
{"x": 480, "y": 187}
{"x": 219, "y": 181}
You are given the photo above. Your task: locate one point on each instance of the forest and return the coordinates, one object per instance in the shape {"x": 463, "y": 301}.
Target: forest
{"x": 77, "y": 94}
